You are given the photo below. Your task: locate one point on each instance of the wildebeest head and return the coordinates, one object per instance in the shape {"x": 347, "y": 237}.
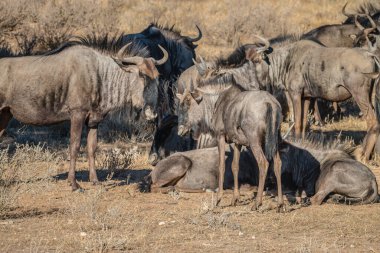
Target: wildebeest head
{"x": 145, "y": 79}
{"x": 360, "y": 39}
{"x": 188, "y": 104}
{"x": 181, "y": 48}
{"x": 365, "y": 8}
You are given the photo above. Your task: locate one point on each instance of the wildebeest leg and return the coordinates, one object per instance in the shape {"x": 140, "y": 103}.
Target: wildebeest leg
{"x": 297, "y": 109}
{"x": 91, "y": 148}
{"x": 77, "y": 120}
{"x": 317, "y": 113}
{"x": 5, "y": 117}
{"x": 365, "y": 106}
{"x": 290, "y": 106}
{"x": 235, "y": 172}
{"x": 318, "y": 198}
{"x": 222, "y": 166}
{"x": 277, "y": 172}
{"x": 306, "y": 105}
{"x": 263, "y": 169}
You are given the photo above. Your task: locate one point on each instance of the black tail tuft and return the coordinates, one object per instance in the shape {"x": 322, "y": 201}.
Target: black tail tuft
{"x": 272, "y": 135}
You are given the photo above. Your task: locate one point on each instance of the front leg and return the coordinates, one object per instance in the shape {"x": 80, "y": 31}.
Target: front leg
{"x": 77, "y": 121}
{"x": 221, "y": 149}
{"x": 297, "y": 109}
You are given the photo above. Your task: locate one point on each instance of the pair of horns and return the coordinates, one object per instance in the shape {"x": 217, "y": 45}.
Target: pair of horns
{"x": 139, "y": 60}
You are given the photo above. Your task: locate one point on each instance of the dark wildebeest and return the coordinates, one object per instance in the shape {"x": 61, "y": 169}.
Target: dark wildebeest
{"x": 321, "y": 170}
{"x": 181, "y": 54}
{"x": 365, "y": 8}
{"x": 243, "y": 115}
{"x": 166, "y": 140}
{"x": 306, "y": 69}
{"x": 80, "y": 81}
{"x": 197, "y": 171}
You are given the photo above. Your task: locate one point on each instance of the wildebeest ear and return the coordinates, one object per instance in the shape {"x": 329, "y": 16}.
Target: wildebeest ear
{"x": 149, "y": 69}
{"x": 251, "y": 54}
{"x": 353, "y": 36}
{"x": 197, "y": 95}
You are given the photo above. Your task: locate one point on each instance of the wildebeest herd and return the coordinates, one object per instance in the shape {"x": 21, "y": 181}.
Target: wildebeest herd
{"x": 201, "y": 106}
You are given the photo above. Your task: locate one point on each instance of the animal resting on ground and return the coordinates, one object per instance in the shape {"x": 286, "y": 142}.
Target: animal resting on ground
{"x": 51, "y": 88}
{"x": 318, "y": 169}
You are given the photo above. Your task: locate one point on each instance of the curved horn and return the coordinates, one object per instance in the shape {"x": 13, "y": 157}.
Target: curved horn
{"x": 358, "y": 25}
{"x": 344, "y": 11}
{"x": 371, "y": 21}
{"x": 198, "y": 37}
{"x": 371, "y": 47}
{"x": 120, "y": 53}
{"x": 265, "y": 41}
{"x": 164, "y": 58}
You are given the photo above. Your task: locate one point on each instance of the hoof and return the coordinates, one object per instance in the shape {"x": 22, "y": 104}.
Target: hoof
{"x": 79, "y": 190}
{"x": 282, "y": 209}
{"x": 254, "y": 207}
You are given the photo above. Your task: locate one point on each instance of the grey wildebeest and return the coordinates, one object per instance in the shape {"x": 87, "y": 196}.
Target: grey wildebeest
{"x": 81, "y": 81}
{"x": 243, "y": 115}
{"x": 197, "y": 171}
{"x": 306, "y": 69}
{"x": 181, "y": 51}
{"x": 314, "y": 167}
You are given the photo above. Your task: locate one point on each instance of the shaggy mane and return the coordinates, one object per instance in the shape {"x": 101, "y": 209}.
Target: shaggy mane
{"x": 105, "y": 44}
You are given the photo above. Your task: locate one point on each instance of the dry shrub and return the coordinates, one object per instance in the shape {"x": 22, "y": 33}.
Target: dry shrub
{"x": 25, "y": 164}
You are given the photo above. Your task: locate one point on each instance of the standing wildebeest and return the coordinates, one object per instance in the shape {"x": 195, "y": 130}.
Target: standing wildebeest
{"x": 197, "y": 171}
{"x": 242, "y": 116}
{"x": 81, "y": 81}
{"x": 306, "y": 69}
{"x": 321, "y": 170}
{"x": 181, "y": 54}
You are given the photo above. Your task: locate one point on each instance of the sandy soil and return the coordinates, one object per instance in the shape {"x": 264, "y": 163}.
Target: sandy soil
{"x": 117, "y": 217}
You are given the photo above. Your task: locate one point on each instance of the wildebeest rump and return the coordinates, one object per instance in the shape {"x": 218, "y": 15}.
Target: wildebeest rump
{"x": 80, "y": 82}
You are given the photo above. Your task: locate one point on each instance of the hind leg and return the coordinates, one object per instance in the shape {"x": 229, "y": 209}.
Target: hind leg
{"x": 263, "y": 170}
{"x": 222, "y": 166}
{"x": 277, "y": 172}
{"x": 91, "y": 148}
{"x": 306, "y": 106}
{"x": 235, "y": 172}
{"x": 5, "y": 117}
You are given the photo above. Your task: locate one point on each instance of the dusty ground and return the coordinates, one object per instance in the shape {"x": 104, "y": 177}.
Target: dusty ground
{"x": 47, "y": 217}
{"x": 119, "y": 218}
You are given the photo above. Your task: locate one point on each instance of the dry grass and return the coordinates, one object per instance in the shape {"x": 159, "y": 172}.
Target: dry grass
{"x": 38, "y": 211}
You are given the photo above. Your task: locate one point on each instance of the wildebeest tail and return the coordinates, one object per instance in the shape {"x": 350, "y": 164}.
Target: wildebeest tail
{"x": 272, "y": 133}
{"x": 377, "y": 89}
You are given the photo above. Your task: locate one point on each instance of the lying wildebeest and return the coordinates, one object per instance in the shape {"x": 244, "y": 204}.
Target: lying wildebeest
{"x": 197, "y": 171}
{"x": 318, "y": 169}
{"x": 181, "y": 54}
{"x": 321, "y": 170}
{"x": 243, "y": 115}
{"x": 80, "y": 81}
